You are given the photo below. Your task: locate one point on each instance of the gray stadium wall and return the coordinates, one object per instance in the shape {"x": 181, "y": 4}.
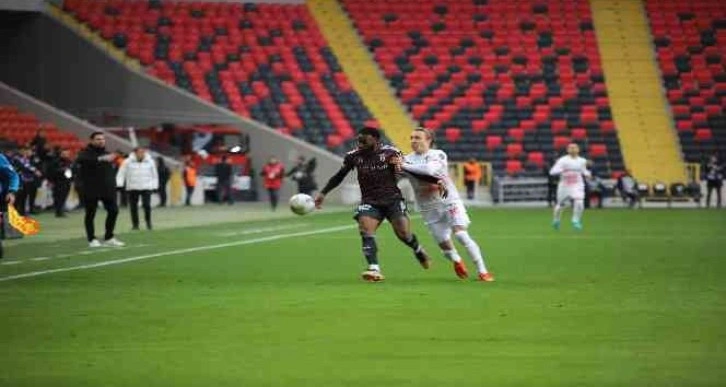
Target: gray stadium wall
{"x": 51, "y": 62}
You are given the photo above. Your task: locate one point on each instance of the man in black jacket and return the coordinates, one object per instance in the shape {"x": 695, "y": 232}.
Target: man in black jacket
{"x": 99, "y": 184}
{"x": 713, "y": 172}
{"x": 224, "y": 172}
{"x": 303, "y": 174}
{"x": 60, "y": 174}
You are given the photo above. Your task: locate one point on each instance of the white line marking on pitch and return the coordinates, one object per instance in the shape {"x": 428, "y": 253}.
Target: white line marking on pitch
{"x": 175, "y": 252}
{"x": 39, "y": 258}
{"x": 11, "y": 262}
{"x": 262, "y": 230}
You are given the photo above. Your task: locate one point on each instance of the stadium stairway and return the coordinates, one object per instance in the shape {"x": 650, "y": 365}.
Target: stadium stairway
{"x": 361, "y": 69}
{"x": 645, "y": 129}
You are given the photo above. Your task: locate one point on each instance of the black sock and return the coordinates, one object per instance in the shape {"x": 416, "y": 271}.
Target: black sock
{"x": 370, "y": 250}
{"x": 412, "y": 242}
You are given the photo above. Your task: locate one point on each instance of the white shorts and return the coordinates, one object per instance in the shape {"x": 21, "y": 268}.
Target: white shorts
{"x": 440, "y": 220}
{"x": 569, "y": 192}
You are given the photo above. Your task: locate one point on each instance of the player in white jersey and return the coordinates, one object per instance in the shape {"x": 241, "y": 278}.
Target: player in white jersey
{"x": 442, "y": 214}
{"x": 571, "y": 169}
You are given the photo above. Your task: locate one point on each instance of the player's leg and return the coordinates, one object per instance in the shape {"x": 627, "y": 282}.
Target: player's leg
{"x": 562, "y": 197}
{"x": 578, "y": 207}
{"x": 369, "y": 219}
{"x": 459, "y": 222}
{"x": 441, "y": 232}
{"x": 396, "y": 214}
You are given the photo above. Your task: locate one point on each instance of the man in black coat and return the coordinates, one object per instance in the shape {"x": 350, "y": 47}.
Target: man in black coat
{"x": 60, "y": 174}
{"x": 224, "y": 172}
{"x": 99, "y": 184}
{"x": 713, "y": 172}
{"x": 304, "y": 174}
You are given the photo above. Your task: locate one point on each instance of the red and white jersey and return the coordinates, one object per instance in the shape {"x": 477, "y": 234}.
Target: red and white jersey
{"x": 571, "y": 171}
{"x": 433, "y": 163}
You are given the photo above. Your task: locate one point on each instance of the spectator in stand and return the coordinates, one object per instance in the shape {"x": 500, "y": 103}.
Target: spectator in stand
{"x": 164, "y": 175}
{"x": 60, "y": 175}
{"x": 30, "y": 177}
{"x": 273, "y": 172}
{"x": 224, "y": 172}
{"x": 139, "y": 175}
{"x": 99, "y": 184}
{"x": 9, "y": 185}
{"x": 190, "y": 179}
{"x": 714, "y": 180}
{"x": 628, "y": 188}
{"x": 472, "y": 177}
{"x": 303, "y": 174}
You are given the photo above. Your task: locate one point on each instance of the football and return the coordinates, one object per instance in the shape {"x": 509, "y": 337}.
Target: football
{"x": 302, "y": 204}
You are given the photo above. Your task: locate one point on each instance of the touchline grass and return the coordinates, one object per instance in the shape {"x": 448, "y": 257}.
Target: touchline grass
{"x": 636, "y": 299}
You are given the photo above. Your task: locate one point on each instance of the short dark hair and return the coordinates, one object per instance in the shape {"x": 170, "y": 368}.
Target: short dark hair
{"x": 94, "y": 134}
{"x": 369, "y": 130}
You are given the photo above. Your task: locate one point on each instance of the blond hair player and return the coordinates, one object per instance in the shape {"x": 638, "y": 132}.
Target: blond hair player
{"x": 571, "y": 169}
{"x": 442, "y": 214}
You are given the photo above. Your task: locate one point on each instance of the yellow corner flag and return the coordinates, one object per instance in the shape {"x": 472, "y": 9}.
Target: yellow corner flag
{"x": 24, "y": 224}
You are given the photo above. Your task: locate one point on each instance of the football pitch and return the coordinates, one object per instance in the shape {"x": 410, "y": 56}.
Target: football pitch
{"x": 638, "y": 298}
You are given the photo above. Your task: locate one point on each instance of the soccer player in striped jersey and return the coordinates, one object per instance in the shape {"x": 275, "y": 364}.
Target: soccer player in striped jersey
{"x": 443, "y": 215}
{"x": 571, "y": 169}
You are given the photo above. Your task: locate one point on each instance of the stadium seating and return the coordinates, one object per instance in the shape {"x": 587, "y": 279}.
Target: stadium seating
{"x": 268, "y": 62}
{"x": 690, "y": 39}
{"x": 20, "y": 128}
{"x": 507, "y": 81}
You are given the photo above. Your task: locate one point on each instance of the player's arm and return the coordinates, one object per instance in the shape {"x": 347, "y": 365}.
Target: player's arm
{"x": 557, "y": 168}
{"x": 430, "y": 172}
{"x": 121, "y": 174}
{"x": 333, "y": 182}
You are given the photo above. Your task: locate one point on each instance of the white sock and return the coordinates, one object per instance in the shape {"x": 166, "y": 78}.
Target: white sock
{"x": 452, "y": 255}
{"x": 558, "y": 212}
{"x": 374, "y": 268}
{"x": 472, "y": 249}
{"x": 578, "y": 209}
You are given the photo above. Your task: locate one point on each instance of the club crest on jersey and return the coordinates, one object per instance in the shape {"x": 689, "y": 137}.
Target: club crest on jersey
{"x": 382, "y": 157}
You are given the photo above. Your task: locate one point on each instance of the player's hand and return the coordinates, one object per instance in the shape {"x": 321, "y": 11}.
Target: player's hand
{"x": 397, "y": 162}
{"x": 319, "y": 198}
{"x": 10, "y": 198}
{"x": 442, "y": 189}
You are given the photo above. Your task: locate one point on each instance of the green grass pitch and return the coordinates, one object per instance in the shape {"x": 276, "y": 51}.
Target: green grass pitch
{"x": 638, "y": 298}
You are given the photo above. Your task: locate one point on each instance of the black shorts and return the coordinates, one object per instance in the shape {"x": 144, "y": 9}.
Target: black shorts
{"x": 388, "y": 211}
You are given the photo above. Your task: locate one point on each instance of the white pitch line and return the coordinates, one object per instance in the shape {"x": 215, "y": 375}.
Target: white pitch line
{"x": 262, "y": 230}
{"x": 175, "y": 252}
{"x": 40, "y": 258}
{"x": 10, "y": 262}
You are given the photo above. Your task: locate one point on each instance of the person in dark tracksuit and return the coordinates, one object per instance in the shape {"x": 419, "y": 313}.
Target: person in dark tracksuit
{"x": 9, "y": 184}
{"x": 164, "y": 175}
{"x": 225, "y": 174}
{"x": 714, "y": 180}
{"x": 303, "y": 174}
{"x": 29, "y": 181}
{"x": 99, "y": 184}
{"x": 60, "y": 174}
